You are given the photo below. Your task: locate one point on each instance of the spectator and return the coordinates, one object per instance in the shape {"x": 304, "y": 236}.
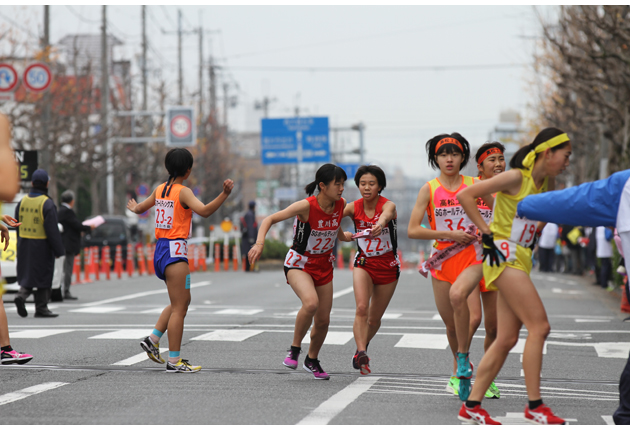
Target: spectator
{"x": 571, "y": 235}
{"x": 546, "y": 247}
{"x": 604, "y": 253}
{"x": 71, "y": 237}
{"x": 39, "y": 243}
{"x": 249, "y": 231}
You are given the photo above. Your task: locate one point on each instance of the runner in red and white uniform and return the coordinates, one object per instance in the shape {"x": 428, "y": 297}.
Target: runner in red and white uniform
{"x": 308, "y": 265}
{"x": 376, "y": 265}
{"x": 455, "y": 278}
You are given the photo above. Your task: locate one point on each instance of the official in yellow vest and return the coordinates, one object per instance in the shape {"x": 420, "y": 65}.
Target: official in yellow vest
{"x": 39, "y": 243}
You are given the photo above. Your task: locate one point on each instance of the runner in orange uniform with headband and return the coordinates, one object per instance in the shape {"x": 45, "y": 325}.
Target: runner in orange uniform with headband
{"x": 462, "y": 272}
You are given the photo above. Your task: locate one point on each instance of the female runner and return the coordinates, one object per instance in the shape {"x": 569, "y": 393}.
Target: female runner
{"x": 462, "y": 272}
{"x": 174, "y": 204}
{"x": 376, "y": 265}
{"x": 308, "y": 265}
{"x": 507, "y": 244}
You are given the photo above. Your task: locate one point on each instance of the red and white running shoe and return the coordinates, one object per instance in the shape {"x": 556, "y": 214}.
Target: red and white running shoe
{"x": 476, "y": 415}
{"x": 543, "y": 415}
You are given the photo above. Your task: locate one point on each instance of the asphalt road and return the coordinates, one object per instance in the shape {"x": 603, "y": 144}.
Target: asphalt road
{"x": 89, "y": 367}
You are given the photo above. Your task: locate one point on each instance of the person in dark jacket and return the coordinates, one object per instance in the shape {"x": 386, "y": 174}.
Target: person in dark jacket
{"x": 71, "y": 237}
{"x": 249, "y": 231}
{"x": 39, "y": 243}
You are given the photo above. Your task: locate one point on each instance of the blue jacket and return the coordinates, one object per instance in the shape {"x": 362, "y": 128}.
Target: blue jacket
{"x": 591, "y": 204}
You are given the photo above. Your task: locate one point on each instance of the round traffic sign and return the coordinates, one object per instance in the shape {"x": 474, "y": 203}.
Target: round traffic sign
{"x": 8, "y": 78}
{"x": 181, "y": 126}
{"x": 142, "y": 190}
{"x": 37, "y": 77}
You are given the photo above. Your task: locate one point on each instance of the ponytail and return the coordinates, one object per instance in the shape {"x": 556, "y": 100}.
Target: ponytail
{"x": 549, "y": 138}
{"x": 310, "y": 188}
{"x": 326, "y": 174}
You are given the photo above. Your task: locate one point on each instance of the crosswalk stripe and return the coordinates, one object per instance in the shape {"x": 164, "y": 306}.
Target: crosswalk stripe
{"x": 423, "y": 340}
{"x": 27, "y": 392}
{"x": 123, "y": 334}
{"x": 239, "y": 312}
{"x": 97, "y": 309}
{"x": 136, "y": 358}
{"x": 332, "y": 338}
{"x": 228, "y": 335}
{"x": 36, "y": 334}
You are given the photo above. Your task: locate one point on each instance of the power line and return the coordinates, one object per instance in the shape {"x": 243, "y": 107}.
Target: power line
{"x": 168, "y": 16}
{"x": 377, "y": 68}
{"x": 19, "y": 26}
{"x": 81, "y": 17}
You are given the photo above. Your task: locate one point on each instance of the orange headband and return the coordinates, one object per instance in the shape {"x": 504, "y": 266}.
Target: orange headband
{"x": 488, "y": 153}
{"x": 447, "y": 141}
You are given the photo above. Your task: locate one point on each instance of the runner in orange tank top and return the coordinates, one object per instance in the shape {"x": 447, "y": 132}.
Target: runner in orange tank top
{"x": 456, "y": 277}
{"x": 174, "y": 205}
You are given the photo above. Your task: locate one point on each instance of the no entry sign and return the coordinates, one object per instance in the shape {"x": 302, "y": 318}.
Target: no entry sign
{"x": 37, "y": 77}
{"x": 180, "y": 123}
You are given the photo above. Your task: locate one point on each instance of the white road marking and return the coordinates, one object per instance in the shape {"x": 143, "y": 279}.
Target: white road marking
{"x": 612, "y": 349}
{"x": 437, "y": 317}
{"x": 228, "y": 335}
{"x": 390, "y": 316}
{"x": 30, "y": 308}
{"x": 520, "y": 347}
{"x": 153, "y": 311}
{"x": 423, "y": 340}
{"x": 36, "y": 334}
{"x": 136, "y": 359}
{"x": 123, "y": 334}
{"x": 561, "y": 291}
{"x": 332, "y": 338}
{"x": 608, "y": 419}
{"x": 578, "y": 320}
{"x": 328, "y": 410}
{"x": 343, "y": 292}
{"x": 143, "y": 294}
{"x": 98, "y": 309}
{"x": 238, "y": 312}
{"x": 26, "y": 392}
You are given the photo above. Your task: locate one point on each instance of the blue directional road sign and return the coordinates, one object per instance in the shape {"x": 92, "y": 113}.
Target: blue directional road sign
{"x": 295, "y": 140}
{"x": 350, "y": 169}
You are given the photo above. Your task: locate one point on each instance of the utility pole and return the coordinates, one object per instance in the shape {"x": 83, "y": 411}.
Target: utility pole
{"x": 226, "y": 105}
{"x": 105, "y": 113}
{"x": 200, "y": 132}
{"x": 144, "y": 58}
{"x": 180, "y": 82}
{"x": 360, "y": 127}
{"x": 213, "y": 94}
{"x": 46, "y": 117}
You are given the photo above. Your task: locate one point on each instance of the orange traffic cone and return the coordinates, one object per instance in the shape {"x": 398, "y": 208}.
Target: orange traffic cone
{"x": 625, "y": 306}
{"x": 87, "y": 264}
{"x": 235, "y": 257}
{"x": 201, "y": 263}
{"x": 105, "y": 263}
{"x": 226, "y": 254}
{"x": 141, "y": 263}
{"x": 217, "y": 257}
{"x": 129, "y": 260}
{"x": 192, "y": 263}
{"x": 76, "y": 270}
{"x": 118, "y": 265}
{"x": 95, "y": 267}
{"x": 150, "y": 249}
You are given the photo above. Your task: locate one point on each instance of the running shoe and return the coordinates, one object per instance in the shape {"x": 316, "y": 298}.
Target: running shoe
{"x": 464, "y": 374}
{"x": 312, "y": 365}
{"x": 355, "y": 363}
{"x": 12, "y": 357}
{"x": 152, "y": 350}
{"x": 453, "y": 385}
{"x": 493, "y": 392}
{"x": 543, "y": 415}
{"x": 182, "y": 366}
{"x": 476, "y": 415}
{"x": 364, "y": 363}
{"x": 292, "y": 358}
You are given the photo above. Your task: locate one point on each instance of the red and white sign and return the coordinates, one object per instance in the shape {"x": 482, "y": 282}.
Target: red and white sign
{"x": 181, "y": 126}
{"x": 8, "y": 78}
{"x": 37, "y": 77}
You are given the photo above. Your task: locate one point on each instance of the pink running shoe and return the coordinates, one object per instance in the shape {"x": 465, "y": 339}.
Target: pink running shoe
{"x": 312, "y": 365}
{"x": 14, "y": 357}
{"x": 292, "y": 357}
{"x": 542, "y": 415}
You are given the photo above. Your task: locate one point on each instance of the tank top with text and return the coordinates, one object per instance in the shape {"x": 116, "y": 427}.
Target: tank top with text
{"x": 316, "y": 237}
{"x": 374, "y": 247}
{"x": 172, "y": 221}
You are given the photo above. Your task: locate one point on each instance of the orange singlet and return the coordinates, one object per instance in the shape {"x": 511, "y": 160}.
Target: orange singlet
{"x": 172, "y": 221}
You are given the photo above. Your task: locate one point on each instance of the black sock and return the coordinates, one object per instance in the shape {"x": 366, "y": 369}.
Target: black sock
{"x": 7, "y": 348}
{"x": 471, "y": 404}
{"x": 533, "y": 404}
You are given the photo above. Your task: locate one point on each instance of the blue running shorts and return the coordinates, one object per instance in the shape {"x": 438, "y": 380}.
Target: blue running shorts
{"x": 169, "y": 251}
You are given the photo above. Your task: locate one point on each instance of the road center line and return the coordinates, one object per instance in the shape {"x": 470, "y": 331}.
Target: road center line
{"x": 26, "y": 392}
{"x": 328, "y": 410}
{"x": 144, "y": 294}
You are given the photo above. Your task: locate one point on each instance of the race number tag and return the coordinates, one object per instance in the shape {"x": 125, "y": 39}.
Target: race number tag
{"x": 295, "y": 259}
{"x": 178, "y": 248}
{"x": 523, "y": 231}
{"x": 321, "y": 242}
{"x": 164, "y": 213}
{"x": 508, "y": 248}
{"x": 373, "y": 246}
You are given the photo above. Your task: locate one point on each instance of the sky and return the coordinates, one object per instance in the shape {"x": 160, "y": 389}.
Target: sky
{"x": 407, "y": 72}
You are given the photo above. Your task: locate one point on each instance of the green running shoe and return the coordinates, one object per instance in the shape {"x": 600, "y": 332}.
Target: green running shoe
{"x": 493, "y": 392}
{"x": 453, "y": 385}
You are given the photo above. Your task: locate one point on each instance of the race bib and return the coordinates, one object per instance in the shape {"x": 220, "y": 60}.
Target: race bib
{"x": 508, "y": 248}
{"x": 178, "y": 248}
{"x": 295, "y": 259}
{"x": 374, "y": 246}
{"x": 523, "y": 231}
{"x": 320, "y": 242}
{"x": 450, "y": 219}
{"x": 164, "y": 213}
